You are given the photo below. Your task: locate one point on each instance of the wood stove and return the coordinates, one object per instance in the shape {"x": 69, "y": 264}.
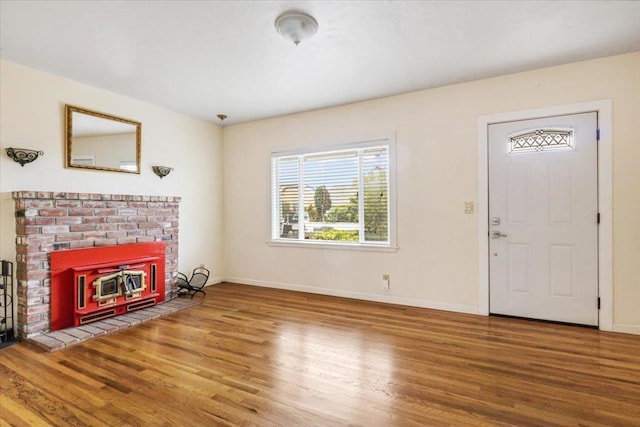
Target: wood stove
{"x": 97, "y": 283}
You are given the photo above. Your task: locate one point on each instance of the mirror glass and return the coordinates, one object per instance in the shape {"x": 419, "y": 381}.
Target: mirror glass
{"x": 100, "y": 141}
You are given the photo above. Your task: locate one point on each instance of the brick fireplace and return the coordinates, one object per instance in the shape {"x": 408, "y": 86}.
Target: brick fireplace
{"x": 55, "y": 221}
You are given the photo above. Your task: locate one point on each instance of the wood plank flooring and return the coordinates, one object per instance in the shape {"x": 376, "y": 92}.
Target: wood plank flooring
{"x": 265, "y": 357}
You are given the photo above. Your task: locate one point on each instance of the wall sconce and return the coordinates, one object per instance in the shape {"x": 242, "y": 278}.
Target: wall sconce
{"x": 22, "y": 155}
{"x": 161, "y": 171}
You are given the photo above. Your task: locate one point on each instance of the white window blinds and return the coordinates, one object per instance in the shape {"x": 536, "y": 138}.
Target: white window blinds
{"x": 340, "y": 196}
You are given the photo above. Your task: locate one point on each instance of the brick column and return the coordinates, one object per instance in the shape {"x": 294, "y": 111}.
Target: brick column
{"x": 47, "y": 221}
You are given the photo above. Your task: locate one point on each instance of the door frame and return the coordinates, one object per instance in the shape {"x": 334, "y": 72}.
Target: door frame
{"x": 605, "y": 203}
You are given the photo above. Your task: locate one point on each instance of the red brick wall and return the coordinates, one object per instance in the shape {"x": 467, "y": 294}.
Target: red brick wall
{"x": 47, "y": 221}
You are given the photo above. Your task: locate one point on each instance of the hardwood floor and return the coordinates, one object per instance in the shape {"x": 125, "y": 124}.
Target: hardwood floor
{"x": 256, "y": 356}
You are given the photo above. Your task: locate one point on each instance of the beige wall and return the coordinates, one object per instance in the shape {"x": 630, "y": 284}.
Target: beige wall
{"x": 437, "y": 169}
{"x": 108, "y": 150}
{"x": 32, "y": 116}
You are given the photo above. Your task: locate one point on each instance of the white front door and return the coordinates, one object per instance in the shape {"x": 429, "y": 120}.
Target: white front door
{"x": 543, "y": 201}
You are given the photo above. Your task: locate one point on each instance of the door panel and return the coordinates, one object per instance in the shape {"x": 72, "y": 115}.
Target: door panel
{"x": 519, "y": 181}
{"x": 561, "y": 194}
{"x": 519, "y": 268}
{"x": 561, "y": 270}
{"x": 543, "y": 206}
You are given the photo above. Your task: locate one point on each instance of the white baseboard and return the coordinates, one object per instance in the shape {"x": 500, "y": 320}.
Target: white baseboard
{"x": 411, "y": 302}
{"x": 627, "y": 329}
{"x": 214, "y": 281}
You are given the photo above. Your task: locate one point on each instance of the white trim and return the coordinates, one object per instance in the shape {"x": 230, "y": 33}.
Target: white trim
{"x": 605, "y": 199}
{"x": 321, "y": 244}
{"x": 626, "y": 329}
{"x": 411, "y": 302}
{"x": 387, "y": 139}
{"x": 214, "y": 281}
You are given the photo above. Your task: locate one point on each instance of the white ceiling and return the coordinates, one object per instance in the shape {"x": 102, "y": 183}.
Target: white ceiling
{"x": 203, "y": 58}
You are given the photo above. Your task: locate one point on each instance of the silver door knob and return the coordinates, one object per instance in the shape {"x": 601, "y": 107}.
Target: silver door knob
{"x": 497, "y": 235}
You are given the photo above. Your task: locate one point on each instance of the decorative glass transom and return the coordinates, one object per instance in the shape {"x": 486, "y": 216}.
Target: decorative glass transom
{"x": 540, "y": 140}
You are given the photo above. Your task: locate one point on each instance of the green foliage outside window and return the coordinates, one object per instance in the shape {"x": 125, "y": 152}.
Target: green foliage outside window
{"x": 375, "y": 211}
{"x": 342, "y": 235}
{"x": 376, "y": 206}
{"x": 322, "y": 199}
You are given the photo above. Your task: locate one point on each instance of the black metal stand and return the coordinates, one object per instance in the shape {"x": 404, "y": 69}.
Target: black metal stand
{"x": 7, "y": 315}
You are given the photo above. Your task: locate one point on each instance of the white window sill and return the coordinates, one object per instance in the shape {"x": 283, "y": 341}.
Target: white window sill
{"x": 328, "y": 245}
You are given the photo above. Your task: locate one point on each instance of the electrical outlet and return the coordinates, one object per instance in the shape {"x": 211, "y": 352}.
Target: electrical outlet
{"x": 385, "y": 282}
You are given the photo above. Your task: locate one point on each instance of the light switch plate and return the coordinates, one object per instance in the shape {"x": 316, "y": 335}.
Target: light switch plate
{"x": 468, "y": 207}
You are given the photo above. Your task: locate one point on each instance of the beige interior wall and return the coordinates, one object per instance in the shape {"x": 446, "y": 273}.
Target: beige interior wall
{"x": 108, "y": 150}
{"x": 436, "y": 264}
{"x": 32, "y": 116}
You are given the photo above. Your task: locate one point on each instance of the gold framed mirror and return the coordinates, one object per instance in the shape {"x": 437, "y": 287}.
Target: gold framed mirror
{"x": 99, "y": 141}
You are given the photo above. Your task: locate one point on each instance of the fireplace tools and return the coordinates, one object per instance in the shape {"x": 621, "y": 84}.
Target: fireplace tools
{"x": 7, "y": 334}
{"x": 193, "y": 285}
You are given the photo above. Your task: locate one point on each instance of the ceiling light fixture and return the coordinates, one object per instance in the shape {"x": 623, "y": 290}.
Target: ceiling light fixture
{"x": 296, "y": 26}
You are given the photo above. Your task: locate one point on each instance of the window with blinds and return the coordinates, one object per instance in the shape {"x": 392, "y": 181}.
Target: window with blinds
{"x": 339, "y": 195}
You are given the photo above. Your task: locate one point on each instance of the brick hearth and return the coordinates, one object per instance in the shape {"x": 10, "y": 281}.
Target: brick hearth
{"x": 48, "y": 221}
{"x": 52, "y": 341}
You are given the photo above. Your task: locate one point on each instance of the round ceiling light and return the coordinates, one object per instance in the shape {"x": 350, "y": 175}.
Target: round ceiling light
{"x": 296, "y": 26}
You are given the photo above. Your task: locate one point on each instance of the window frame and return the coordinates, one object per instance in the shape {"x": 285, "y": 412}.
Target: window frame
{"x": 274, "y": 223}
